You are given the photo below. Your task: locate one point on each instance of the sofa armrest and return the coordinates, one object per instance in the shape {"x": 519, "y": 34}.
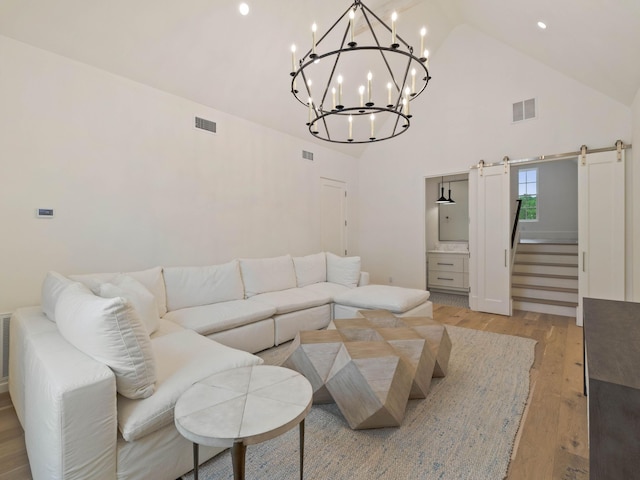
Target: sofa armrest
{"x": 364, "y": 279}
{"x": 70, "y": 418}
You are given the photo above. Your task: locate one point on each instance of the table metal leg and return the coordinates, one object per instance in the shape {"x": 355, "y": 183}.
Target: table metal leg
{"x": 237, "y": 456}
{"x": 302, "y": 449}
{"x": 195, "y": 461}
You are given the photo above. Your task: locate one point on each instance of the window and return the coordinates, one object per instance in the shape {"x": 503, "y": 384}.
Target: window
{"x": 528, "y": 193}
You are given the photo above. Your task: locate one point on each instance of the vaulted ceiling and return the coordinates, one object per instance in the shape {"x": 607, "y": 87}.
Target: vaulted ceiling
{"x": 205, "y": 51}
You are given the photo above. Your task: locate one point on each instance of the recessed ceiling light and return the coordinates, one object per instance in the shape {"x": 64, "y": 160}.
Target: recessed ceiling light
{"x": 542, "y": 25}
{"x": 244, "y": 8}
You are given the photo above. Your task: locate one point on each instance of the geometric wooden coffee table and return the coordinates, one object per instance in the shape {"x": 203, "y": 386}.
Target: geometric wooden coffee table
{"x": 370, "y": 366}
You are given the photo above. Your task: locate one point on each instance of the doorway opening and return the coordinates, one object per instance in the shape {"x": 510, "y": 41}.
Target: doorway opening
{"x": 447, "y": 239}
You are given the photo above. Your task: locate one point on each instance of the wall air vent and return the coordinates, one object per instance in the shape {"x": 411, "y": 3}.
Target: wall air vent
{"x": 207, "y": 125}
{"x": 307, "y": 155}
{"x": 524, "y": 110}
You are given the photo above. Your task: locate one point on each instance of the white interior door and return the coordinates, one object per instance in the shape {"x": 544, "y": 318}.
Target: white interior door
{"x": 333, "y": 216}
{"x": 601, "y": 231}
{"x": 489, "y": 240}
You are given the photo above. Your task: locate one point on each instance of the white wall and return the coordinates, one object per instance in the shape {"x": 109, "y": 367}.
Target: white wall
{"x": 557, "y": 200}
{"x": 462, "y": 117}
{"x": 134, "y": 184}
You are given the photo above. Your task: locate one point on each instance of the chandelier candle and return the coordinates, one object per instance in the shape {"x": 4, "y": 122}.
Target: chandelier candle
{"x": 413, "y": 81}
{"x": 352, "y": 15}
{"x": 314, "y": 27}
{"x": 293, "y": 59}
{"x": 423, "y": 32}
{"x": 351, "y": 128}
{"x": 394, "y": 17}
{"x": 406, "y": 99}
{"x": 361, "y": 91}
{"x": 373, "y": 135}
{"x": 369, "y": 77}
{"x": 340, "y": 106}
{"x": 333, "y": 95}
{"x": 389, "y": 104}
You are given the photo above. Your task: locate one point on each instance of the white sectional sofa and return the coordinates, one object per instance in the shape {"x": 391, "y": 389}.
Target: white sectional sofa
{"x": 95, "y": 371}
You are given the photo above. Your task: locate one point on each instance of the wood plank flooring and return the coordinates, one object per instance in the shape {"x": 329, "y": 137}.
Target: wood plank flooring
{"x": 552, "y": 441}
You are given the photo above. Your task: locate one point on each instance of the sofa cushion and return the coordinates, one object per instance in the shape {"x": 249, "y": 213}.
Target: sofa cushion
{"x": 292, "y": 299}
{"x": 217, "y": 317}
{"x": 261, "y": 275}
{"x": 383, "y": 297}
{"x": 327, "y": 289}
{"x": 110, "y": 331}
{"x": 150, "y": 278}
{"x": 183, "y": 358}
{"x": 141, "y": 299}
{"x": 195, "y": 286}
{"x": 343, "y": 270}
{"x": 52, "y": 286}
{"x": 310, "y": 269}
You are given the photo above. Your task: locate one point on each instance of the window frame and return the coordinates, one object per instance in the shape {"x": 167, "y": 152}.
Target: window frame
{"x": 537, "y": 194}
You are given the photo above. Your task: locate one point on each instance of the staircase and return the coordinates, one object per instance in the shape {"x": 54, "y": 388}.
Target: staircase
{"x": 545, "y": 278}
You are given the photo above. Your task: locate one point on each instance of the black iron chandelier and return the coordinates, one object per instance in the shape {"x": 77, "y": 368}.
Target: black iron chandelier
{"x": 347, "y": 104}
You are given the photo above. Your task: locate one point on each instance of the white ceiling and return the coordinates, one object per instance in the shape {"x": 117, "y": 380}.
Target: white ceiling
{"x": 205, "y": 51}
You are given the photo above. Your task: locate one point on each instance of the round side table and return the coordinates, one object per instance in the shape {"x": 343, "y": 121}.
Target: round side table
{"x": 243, "y": 406}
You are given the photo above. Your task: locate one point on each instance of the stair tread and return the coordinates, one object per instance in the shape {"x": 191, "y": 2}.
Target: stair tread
{"x": 545, "y": 287}
{"x": 568, "y": 254}
{"x": 545, "y": 275}
{"x": 547, "y": 264}
{"x": 559, "y": 303}
{"x": 547, "y": 242}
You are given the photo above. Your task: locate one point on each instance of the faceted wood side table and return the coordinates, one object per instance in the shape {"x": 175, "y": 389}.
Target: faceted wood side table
{"x": 243, "y": 406}
{"x": 371, "y": 366}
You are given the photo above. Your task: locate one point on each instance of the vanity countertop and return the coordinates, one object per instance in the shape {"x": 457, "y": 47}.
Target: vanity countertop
{"x": 454, "y": 252}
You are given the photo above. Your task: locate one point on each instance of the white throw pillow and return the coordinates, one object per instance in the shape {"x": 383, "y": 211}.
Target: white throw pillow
{"x": 261, "y": 275}
{"x": 343, "y": 270}
{"x": 310, "y": 269}
{"x": 110, "y": 331}
{"x": 153, "y": 280}
{"x": 196, "y": 286}
{"x": 140, "y": 297}
{"x": 150, "y": 278}
{"x": 52, "y": 287}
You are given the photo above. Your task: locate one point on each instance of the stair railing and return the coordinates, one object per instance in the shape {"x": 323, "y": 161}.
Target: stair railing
{"x": 516, "y": 225}
{"x": 515, "y": 232}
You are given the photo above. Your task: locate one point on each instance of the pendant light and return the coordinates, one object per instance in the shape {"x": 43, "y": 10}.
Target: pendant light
{"x": 442, "y": 199}
{"x": 450, "y": 201}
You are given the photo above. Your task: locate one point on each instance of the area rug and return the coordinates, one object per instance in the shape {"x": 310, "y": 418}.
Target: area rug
{"x": 464, "y": 429}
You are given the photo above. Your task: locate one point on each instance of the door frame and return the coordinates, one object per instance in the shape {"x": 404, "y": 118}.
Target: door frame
{"x": 344, "y": 220}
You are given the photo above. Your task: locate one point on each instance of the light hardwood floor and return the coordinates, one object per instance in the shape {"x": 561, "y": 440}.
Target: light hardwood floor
{"x": 552, "y": 442}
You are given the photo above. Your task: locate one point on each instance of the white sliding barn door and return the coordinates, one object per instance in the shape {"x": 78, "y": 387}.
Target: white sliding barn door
{"x": 333, "y": 216}
{"x": 601, "y": 230}
{"x": 489, "y": 240}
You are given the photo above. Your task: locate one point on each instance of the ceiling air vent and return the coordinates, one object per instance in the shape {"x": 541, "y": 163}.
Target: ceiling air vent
{"x": 307, "y": 155}
{"x": 206, "y": 125}
{"x": 524, "y": 110}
